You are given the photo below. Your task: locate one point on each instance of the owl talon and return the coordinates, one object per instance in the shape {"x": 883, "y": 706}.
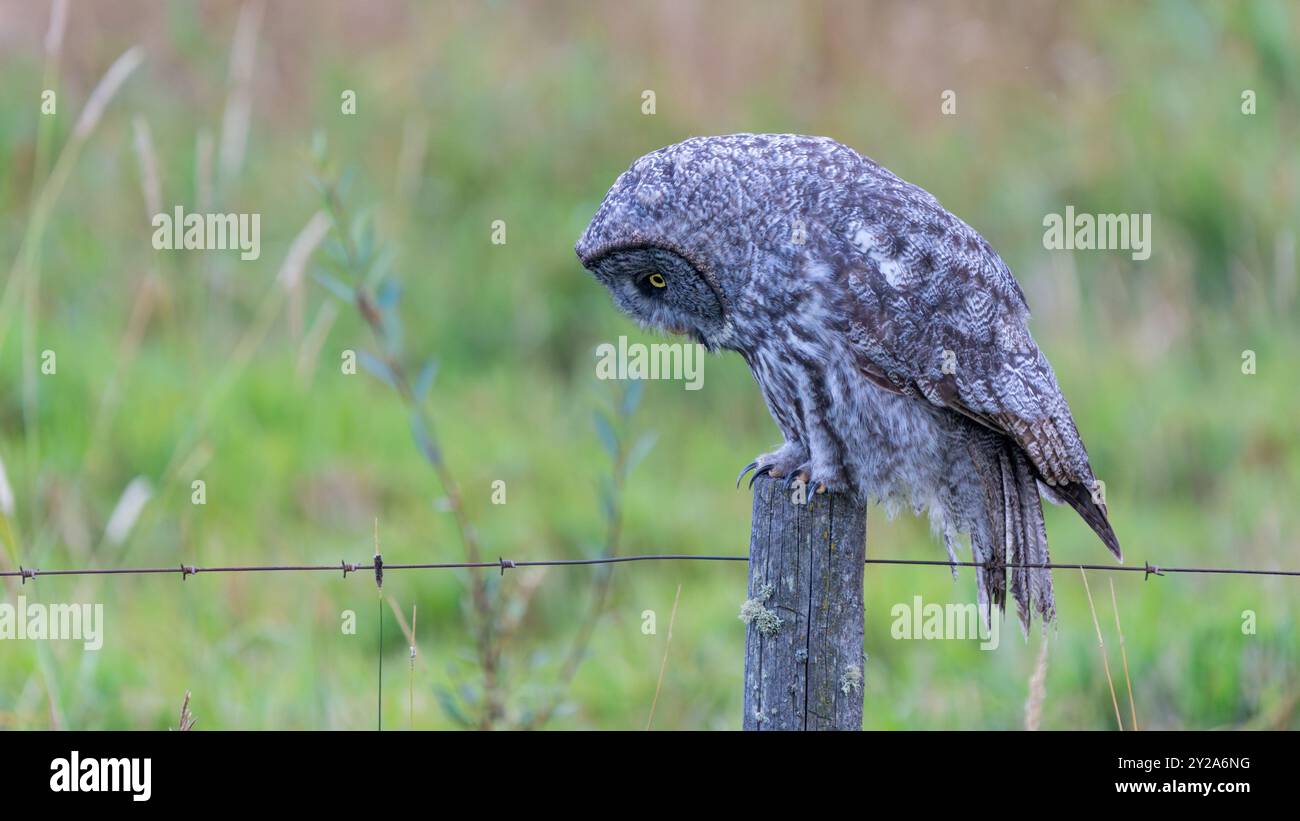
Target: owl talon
{"x": 798, "y": 475}
{"x": 743, "y": 471}
{"x": 779, "y": 464}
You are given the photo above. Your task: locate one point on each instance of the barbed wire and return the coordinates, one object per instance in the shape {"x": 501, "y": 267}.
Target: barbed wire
{"x": 380, "y": 566}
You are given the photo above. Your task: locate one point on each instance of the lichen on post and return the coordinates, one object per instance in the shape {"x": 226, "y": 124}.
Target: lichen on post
{"x": 804, "y": 616}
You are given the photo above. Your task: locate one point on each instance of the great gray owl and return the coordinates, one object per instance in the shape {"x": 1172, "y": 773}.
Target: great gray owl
{"x": 888, "y": 338}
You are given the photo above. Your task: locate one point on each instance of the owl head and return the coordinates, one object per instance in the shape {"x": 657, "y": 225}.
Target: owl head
{"x": 661, "y": 290}
{"x": 690, "y": 236}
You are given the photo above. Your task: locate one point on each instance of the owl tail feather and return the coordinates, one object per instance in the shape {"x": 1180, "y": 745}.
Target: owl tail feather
{"x": 1013, "y": 535}
{"x": 1080, "y": 497}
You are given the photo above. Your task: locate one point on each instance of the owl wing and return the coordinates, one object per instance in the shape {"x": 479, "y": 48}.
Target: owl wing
{"x": 936, "y": 314}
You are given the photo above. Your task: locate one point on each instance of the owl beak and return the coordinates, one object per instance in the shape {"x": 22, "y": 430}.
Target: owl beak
{"x": 693, "y": 333}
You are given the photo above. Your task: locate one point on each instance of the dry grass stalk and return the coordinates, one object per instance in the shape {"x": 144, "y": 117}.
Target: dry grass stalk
{"x": 1102, "y": 644}
{"x": 54, "y": 34}
{"x": 104, "y": 93}
{"x": 312, "y": 342}
{"x": 187, "y": 718}
{"x": 292, "y": 271}
{"x": 1037, "y": 689}
{"x": 239, "y": 101}
{"x": 1123, "y": 652}
{"x": 663, "y": 665}
{"x": 409, "y": 632}
{"x": 204, "y": 149}
{"x": 147, "y": 159}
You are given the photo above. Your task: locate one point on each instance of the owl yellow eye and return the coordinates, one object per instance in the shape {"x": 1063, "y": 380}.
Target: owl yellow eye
{"x": 657, "y": 280}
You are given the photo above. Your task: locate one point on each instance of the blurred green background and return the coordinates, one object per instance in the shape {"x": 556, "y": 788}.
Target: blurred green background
{"x": 181, "y": 366}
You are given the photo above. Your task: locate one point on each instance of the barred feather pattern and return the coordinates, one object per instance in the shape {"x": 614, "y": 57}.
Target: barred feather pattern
{"x": 889, "y": 340}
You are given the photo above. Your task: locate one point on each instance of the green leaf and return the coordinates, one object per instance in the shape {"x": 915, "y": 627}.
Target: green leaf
{"x": 388, "y": 294}
{"x": 424, "y": 381}
{"x": 605, "y": 431}
{"x": 334, "y": 286}
{"x": 377, "y": 367}
{"x": 641, "y": 449}
{"x": 319, "y": 146}
{"x": 632, "y": 397}
{"x": 345, "y": 182}
{"x": 322, "y": 186}
{"x": 363, "y": 237}
{"x": 608, "y": 499}
{"x": 392, "y": 331}
{"x": 337, "y": 255}
{"x": 423, "y": 441}
{"x": 393, "y": 336}
{"x": 449, "y": 706}
{"x": 381, "y": 265}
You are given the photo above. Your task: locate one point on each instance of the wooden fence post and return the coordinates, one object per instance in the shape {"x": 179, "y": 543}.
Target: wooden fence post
{"x": 804, "y": 662}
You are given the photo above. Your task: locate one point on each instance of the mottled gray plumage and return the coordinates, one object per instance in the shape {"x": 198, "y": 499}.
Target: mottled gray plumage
{"x": 888, "y": 338}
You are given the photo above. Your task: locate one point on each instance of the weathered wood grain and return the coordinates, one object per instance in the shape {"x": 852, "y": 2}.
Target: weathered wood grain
{"x": 804, "y": 665}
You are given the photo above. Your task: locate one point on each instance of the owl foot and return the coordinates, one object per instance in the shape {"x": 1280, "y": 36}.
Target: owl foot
{"x": 804, "y": 475}
{"x": 747, "y": 469}
{"x": 765, "y": 470}
{"x": 785, "y": 461}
